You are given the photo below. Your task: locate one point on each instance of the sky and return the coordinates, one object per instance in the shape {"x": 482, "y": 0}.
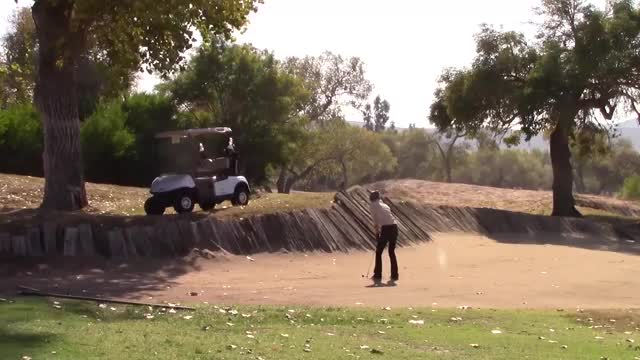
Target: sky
{"x": 405, "y": 44}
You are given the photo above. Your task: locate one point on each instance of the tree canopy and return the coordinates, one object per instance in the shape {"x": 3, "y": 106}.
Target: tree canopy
{"x": 585, "y": 66}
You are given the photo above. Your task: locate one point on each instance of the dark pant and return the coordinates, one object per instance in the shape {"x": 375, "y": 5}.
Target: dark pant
{"x": 388, "y": 235}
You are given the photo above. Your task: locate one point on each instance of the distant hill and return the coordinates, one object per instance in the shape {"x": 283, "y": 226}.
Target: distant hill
{"x": 629, "y": 130}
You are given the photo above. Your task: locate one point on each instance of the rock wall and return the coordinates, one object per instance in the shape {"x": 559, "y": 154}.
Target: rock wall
{"x": 343, "y": 227}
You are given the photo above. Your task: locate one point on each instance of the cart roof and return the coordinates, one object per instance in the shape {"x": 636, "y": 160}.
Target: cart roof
{"x": 193, "y": 132}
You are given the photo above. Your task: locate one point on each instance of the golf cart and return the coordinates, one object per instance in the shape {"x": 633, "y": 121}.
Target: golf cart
{"x": 190, "y": 177}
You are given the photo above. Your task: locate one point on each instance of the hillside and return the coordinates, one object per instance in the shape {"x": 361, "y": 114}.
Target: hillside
{"x": 526, "y": 201}
{"x": 24, "y": 192}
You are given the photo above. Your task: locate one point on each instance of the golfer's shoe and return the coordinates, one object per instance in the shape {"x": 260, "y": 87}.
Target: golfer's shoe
{"x": 376, "y": 279}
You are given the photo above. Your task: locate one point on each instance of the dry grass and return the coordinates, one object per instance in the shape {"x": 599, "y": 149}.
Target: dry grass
{"x": 25, "y": 192}
{"x": 526, "y": 201}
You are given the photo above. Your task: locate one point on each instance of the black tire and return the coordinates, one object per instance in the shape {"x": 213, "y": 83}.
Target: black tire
{"x": 184, "y": 203}
{"x": 153, "y": 207}
{"x": 241, "y": 196}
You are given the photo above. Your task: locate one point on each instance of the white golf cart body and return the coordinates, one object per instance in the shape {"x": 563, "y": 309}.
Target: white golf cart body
{"x": 224, "y": 189}
{"x": 206, "y": 182}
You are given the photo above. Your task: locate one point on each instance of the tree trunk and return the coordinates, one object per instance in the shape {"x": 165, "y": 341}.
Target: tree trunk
{"x": 56, "y": 99}
{"x": 281, "y": 183}
{"x": 447, "y": 168}
{"x": 580, "y": 185}
{"x": 289, "y": 184}
{"x": 345, "y": 175}
{"x": 563, "y": 201}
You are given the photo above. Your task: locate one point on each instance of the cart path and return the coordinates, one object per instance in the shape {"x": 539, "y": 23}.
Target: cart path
{"x": 454, "y": 270}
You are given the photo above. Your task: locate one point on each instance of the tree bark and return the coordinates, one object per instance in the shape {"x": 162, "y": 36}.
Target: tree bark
{"x": 57, "y": 102}
{"x": 281, "y": 183}
{"x": 345, "y": 174}
{"x": 563, "y": 201}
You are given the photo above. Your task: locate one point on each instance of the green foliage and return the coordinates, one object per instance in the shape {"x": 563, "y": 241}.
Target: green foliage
{"x": 20, "y": 140}
{"x": 377, "y": 117}
{"x": 18, "y": 60}
{"x": 118, "y": 139}
{"x": 333, "y": 83}
{"x": 107, "y": 144}
{"x": 631, "y": 188}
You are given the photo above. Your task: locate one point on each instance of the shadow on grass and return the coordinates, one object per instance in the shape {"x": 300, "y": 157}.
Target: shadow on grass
{"x": 15, "y": 345}
{"x": 95, "y": 277}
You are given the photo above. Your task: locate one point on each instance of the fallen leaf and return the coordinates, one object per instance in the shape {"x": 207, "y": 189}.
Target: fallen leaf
{"x": 188, "y": 317}
{"x": 331, "y": 334}
{"x": 112, "y": 309}
{"x": 565, "y": 347}
{"x": 148, "y": 316}
{"x": 102, "y": 306}
{"x": 250, "y": 258}
{"x": 381, "y": 332}
{"x": 193, "y": 293}
{"x": 474, "y": 345}
{"x": 231, "y": 347}
{"x": 387, "y": 308}
{"x": 57, "y": 306}
{"x": 251, "y": 336}
{"x": 229, "y": 324}
{"x": 376, "y": 351}
{"x": 56, "y": 303}
{"x": 416, "y": 322}
{"x": 306, "y": 350}
{"x": 495, "y": 332}
{"x": 172, "y": 311}
{"x": 630, "y": 341}
{"x": 364, "y": 347}
{"x": 284, "y": 335}
{"x": 26, "y": 357}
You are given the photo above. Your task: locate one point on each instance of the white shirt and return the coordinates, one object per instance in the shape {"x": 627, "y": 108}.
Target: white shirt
{"x": 381, "y": 214}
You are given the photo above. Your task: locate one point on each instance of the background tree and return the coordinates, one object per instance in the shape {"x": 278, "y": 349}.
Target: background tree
{"x": 134, "y": 33}
{"x": 447, "y": 145}
{"x": 18, "y": 60}
{"x": 333, "y": 83}
{"x": 586, "y": 62}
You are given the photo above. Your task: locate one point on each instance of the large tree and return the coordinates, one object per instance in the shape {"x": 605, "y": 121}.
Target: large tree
{"x": 149, "y": 32}
{"x": 333, "y": 83}
{"x": 584, "y": 67}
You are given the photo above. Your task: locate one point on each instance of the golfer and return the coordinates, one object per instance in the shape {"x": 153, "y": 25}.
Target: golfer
{"x": 386, "y": 233}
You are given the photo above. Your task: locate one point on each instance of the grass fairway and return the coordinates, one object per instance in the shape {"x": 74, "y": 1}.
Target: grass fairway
{"x": 75, "y": 330}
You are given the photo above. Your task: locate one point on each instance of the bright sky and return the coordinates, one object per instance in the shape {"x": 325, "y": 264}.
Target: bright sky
{"x": 405, "y": 43}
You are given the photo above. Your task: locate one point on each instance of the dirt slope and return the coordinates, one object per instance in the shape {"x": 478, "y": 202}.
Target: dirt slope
{"x": 528, "y": 201}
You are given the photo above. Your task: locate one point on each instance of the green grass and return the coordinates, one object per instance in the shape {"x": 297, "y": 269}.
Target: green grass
{"x": 34, "y": 328}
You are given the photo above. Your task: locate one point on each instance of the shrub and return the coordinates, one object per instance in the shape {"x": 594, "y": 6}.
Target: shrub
{"x": 21, "y": 142}
{"x": 631, "y": 188}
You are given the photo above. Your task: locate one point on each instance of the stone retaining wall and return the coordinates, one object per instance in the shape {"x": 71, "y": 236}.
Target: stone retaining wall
{"x": 343, "y": 227}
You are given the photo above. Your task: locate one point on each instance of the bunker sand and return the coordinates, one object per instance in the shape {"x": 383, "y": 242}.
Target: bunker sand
{"x": 453, "y": 270}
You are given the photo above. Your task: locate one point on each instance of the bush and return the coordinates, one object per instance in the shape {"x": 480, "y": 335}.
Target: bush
{"x": 21, "y": 141}
{"x": 107, "y": 144}
{"x": 631, "y": 188}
